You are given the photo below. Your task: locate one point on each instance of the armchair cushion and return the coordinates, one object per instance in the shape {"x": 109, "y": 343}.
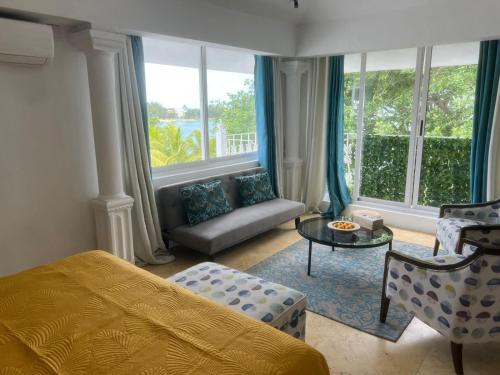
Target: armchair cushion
{"x": 448, "y": 231}
{"x": 488, "y": 213}
{"x": 462, "y": 304}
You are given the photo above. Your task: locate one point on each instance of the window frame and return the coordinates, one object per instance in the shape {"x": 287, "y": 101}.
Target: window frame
{"x": 247, "y": 159}
{"x": 423, "y": 67}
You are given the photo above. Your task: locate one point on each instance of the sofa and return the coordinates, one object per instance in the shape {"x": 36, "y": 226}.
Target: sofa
{"x": 227, "y": 230}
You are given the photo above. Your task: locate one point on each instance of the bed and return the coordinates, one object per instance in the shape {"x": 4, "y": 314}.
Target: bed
{"x": 93, "y": 313}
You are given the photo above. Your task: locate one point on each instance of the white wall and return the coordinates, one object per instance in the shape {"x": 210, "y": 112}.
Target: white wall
{"x": 191, "y": 19}
{"x": 47, "y": 161}
{"x": 445, "y": 21}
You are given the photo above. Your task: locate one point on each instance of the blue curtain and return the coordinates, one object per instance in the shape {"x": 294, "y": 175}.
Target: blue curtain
{"x": 335, "y": 174}
{"x": 486, "y": 92}
{"x": 264, "y": 108}
{"x": 138, "y": 55}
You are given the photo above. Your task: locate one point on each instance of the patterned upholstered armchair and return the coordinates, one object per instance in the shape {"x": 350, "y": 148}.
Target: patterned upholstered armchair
{"x": 457, "y": 295}
{"x": 454, "y": 217}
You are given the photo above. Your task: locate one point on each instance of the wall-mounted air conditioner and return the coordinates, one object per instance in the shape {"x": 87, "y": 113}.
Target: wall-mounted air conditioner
{"x": 25, "y": 42}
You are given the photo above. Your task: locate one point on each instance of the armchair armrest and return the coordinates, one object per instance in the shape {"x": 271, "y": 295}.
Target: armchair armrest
{"x": 478, "y": 236}
{"x": 420, "y": 263}
{"x": 460, "y": 206}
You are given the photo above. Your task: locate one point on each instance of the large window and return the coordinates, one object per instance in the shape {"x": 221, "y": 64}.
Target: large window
{"x": 200, "y": 102}
{"x": 413, "y": 112}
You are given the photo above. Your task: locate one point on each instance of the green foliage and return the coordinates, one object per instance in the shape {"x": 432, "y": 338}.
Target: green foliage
{"x": 351, "y": 99}
{"x": 383, "y": 171}
{"x": 237, "y": 115}
{"x": 191, "y": 113}
{"x": 167, "y": 146}
{"x": 387, "y": 121}
{"x": 444, "y": 174}
{"x": 156, "y": 110}
{"x": 450, "y": 104}
{"x": 389, "y": 101}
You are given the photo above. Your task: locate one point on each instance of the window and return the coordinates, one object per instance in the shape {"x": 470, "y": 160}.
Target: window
{"x": 231, "y": 102}
{"x": 200, "y": 102}
{"x": 447, "y": 125}
{"x": 352, "y": 68}
{"x": 414, "y": 128}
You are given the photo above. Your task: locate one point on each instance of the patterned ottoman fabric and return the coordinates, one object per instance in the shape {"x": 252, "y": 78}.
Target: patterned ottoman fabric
{"x": 448, "y": 231}
{"x": 274, "y": 304}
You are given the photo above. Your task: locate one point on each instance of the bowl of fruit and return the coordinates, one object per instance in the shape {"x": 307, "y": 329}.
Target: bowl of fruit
{"x": 343, "y": 226}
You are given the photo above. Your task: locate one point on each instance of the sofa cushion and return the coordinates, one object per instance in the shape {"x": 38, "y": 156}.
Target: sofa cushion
{"x": 241, "y": 224}
{"x": 204, "y": 201}
{"x": 255, "y": 188}
{"x": 170, "y": 207}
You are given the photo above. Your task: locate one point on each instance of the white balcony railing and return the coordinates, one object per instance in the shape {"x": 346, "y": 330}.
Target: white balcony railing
{"x": 235, "y": 144}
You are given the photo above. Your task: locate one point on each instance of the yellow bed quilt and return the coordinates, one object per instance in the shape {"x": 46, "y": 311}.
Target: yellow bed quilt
{"x": 93, "y": 313}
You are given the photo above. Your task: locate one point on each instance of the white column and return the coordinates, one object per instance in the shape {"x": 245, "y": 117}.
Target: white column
{"x": 112, "y": 208}
{"x": 293, "y": 70}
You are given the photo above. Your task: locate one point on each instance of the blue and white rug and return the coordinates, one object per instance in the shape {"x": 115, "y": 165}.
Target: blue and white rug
{"x": 345, "y": 285}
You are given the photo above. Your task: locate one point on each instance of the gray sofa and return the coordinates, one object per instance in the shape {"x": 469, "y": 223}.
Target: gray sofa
{"x": 227, "y": 230}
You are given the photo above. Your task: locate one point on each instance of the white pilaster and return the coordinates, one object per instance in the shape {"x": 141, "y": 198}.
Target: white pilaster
{"x": 112, "y": 208}
{"x": 293, "y": 69}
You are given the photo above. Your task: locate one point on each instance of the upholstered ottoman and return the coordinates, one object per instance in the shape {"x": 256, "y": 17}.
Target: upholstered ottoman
{"x": 274, "y": 304}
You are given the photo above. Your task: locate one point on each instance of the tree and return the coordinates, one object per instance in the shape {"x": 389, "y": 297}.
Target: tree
{"x": 387, "y": 120}
{"x": 237, "y": 115}
{"x": 389, "y": 101}
{"x": 156, "y": 110}
{"x": 191, "y": 113}
{"x": 168, "y": 146}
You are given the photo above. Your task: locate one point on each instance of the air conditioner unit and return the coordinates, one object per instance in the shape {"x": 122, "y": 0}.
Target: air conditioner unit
{"x": 25, "y": 42}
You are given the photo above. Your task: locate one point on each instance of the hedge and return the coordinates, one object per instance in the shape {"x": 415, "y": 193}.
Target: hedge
{"x": 444, "y": 174}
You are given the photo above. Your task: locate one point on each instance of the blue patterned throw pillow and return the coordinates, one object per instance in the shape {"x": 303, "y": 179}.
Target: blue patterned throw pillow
{"x": 255, "y": 188}
{"x": 204, "y": 201}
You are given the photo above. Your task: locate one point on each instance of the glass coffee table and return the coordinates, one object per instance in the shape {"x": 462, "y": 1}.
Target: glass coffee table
{"x": 316, "y": 230}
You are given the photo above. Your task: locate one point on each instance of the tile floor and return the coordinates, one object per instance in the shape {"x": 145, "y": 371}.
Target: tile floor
{"x": 420, "y": 350}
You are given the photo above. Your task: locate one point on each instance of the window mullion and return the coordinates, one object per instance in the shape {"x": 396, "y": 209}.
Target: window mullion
{"x": 415, "y": 125}
{"x": 359, "y": 129}
{"x": 204, "y": 104}
{"x": 422, "y": 115}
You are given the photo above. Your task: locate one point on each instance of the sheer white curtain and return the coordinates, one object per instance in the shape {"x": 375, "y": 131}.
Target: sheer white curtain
{"x": 314, "y": 182}
{"x": 494, "y": 155}
{"x": 279, "y": 124}
{"x": 148, "y": 243}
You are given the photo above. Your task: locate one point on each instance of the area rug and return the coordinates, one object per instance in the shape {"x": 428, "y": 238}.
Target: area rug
{"x": 345, "y": 285}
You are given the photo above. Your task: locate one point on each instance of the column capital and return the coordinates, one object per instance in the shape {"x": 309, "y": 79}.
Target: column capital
{"x": 90, "y": 40}
{"x": 294, "y": 67}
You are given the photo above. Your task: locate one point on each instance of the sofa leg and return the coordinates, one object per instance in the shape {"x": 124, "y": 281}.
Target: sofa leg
{"x": 384, "y": 308}
{"x": 297, "y": 222}
{"x": 456, "y": 354}
{"x": 436, "y": 247}
{"x": 211, "y": 258}
{"x": 167, "y": 243}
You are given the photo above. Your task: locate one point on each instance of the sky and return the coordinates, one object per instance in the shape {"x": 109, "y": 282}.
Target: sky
{"x": 176, "y": 86}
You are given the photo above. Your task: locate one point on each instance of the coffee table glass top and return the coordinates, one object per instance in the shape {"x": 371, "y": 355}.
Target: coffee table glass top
{"x": 315, "y": 230}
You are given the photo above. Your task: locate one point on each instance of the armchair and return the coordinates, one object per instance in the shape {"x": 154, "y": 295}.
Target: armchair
{"x": 457, "y": 295}
{"x": 454, "y": 217}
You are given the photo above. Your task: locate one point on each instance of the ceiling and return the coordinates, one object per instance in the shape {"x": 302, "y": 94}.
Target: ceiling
{"x": 313, "y": 11}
